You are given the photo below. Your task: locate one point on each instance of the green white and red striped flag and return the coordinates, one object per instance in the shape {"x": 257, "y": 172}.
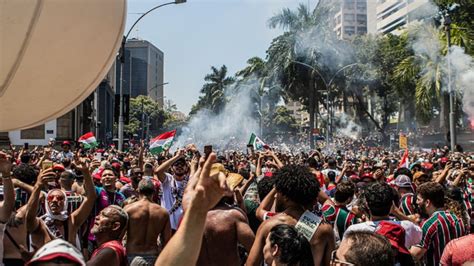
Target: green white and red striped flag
{"x": 162, "y": 142}
{"x": 257, "y": 143}
{"x": 88, "y": 140}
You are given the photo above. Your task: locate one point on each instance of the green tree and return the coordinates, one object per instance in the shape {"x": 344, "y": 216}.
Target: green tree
{"x": 141, "y": 107}
{"x": 213, "y": 91}
{"x": 281, "y": 121}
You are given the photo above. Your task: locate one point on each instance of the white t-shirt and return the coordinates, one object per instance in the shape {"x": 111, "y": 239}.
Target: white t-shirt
{"x": 168, "y": 198}
{"x": 412, "y": 231}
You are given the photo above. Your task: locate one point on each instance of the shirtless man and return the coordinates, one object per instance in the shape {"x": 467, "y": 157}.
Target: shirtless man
{"x": 225, "y": 228}
{"x": 147, "y": 222}
{"x": 57, "y": 222}
{"x": 295, "y": 187}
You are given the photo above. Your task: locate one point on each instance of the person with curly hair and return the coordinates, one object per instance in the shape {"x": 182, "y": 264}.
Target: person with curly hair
{"x": 296, "y": 193}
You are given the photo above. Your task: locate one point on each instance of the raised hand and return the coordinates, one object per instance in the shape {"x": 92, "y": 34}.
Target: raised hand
{"x": 45, "y": 176}
{"x": 210, "y": 187}
{"x": 5, "y": 165}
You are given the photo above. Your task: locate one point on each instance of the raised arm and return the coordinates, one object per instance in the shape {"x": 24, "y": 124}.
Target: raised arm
{"x": 279, "y": 164}
{"x": 8, "y": 204}
{"x": 32, "y": 222}
{"x": 258, "y": 171}
{"x": 442, "y": 177}
{"x": 161, "y": 169}
{"x": 79, "y": 216}
{"x": 266, "y": 205}
{"x": 181, "y": 249}
{"x": 140, "y": 154}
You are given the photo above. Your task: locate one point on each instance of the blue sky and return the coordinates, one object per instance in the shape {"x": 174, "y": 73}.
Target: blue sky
{"x": 202, "y": 33}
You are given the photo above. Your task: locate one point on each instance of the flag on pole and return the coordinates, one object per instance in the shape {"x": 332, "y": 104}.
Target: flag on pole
{"x": 162, "y": 142}
{"x": 88, "y": 140}
{"x": 404, "y": 162}
{"x": 257, "y": 143}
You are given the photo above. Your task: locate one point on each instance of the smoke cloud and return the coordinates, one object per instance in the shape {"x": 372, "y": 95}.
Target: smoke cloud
{"x": 230, "y": 127}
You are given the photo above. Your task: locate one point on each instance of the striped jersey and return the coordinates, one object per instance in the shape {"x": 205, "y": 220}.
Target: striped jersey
{"x": 467, "y": 197}
{"x": 338, "y": 216}
{"x": 407, "y": 204}
{"x": 438, "y": 230}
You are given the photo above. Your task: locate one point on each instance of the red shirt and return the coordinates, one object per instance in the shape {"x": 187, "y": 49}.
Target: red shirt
{"x": 117, "y": 247}
{"x": 459, "y": 251}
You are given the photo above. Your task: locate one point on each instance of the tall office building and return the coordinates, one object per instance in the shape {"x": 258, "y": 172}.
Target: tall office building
{"x": 351, "y": 18}
{"x": 392, "y": 15}
{"x": 143, "y": 70}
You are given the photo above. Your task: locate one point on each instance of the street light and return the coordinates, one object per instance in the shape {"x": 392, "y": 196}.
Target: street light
{"x": 328, "y": 88}
{"x": 122, "y": 62}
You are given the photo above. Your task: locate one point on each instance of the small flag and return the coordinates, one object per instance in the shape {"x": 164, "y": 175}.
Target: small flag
{"x": 404, "y": 162}
{"x": 162, "y": 142}
{"x": 257, "y": 143}
{"x": 88, "y": 140}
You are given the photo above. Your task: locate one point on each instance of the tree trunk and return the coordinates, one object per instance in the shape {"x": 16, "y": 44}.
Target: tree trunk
{"x": 444, "y": 114}
{"x": 311, "y": 114}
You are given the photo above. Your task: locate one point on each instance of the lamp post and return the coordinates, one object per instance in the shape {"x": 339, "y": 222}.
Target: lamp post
{"x": 452, "y": 122}
{"x": 328, "y": 89}
{"x": 122, "y": 62}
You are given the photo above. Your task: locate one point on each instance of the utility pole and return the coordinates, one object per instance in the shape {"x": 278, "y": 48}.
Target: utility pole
{"x": 452, "y": 115}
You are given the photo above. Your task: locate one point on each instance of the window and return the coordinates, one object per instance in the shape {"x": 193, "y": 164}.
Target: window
{"x": 64, "y": 126}
{"x": 361, "y": 18}
{"x": 350, "y": 30}
{"x": 361, "y": 29}
{"x": 33, "y": 133}
{"x": 349, "y": 17}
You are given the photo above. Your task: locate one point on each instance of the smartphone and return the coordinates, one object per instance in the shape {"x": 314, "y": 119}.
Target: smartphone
{"x": 249, "y": 149}
{"x": 26, "y": 145}
{"x": 98, "y": 156}
{"x": 207, "y": 150}
{"x": 46, "y": 165}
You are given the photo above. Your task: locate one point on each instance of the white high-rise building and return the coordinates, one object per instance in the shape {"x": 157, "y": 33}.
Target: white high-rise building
{"x": 392, "y": 15}
{"x": 351, "y": 18}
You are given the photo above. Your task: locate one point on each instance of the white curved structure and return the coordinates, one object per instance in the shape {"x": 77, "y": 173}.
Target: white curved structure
{"x": 53, "y": 54}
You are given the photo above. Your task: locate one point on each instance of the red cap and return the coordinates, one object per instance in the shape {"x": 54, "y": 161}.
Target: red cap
{"x": 59, "y": 167}
{"x": 66, "y": 143}
{"x": 427, "y": 165}
{"x": 116, "y": 166}
{"x": 443, "y": 160}
{"x": 367, "y": 175}
{"x": 394, "y": 233}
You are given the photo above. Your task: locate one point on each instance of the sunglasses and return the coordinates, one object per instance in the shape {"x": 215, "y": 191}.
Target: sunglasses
{"x": 58, "y": 197}
{"x": 335, "y": 261}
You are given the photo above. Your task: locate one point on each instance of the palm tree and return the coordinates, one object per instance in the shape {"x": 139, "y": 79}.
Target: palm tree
{"x": 214, "y": 89}
{"x": 426, "y": 68}
{"x": 301, "y": 27}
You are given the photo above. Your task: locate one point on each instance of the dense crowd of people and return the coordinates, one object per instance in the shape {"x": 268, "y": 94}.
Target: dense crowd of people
{"x": 353, "y": 204}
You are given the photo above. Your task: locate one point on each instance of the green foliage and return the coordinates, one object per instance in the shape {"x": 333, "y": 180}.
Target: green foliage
{"x": 144, "y": 104}
{"x": 213, "y": 91}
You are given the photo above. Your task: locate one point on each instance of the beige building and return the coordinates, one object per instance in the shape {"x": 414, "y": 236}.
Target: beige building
{"x": 297, "y": 112}
{"x": 392, "y": 15}
{"x": 351, "y": 18}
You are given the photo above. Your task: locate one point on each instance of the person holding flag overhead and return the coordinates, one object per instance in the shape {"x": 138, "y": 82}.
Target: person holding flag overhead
{"x": 172, "y": 185}
{"x": 88, "y": 140}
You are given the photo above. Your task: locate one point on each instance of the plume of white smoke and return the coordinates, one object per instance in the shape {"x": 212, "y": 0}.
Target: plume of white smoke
{"x": 231, "y": 127}
{"x": 348, "y": 127}
{"x": 462, "y": 77}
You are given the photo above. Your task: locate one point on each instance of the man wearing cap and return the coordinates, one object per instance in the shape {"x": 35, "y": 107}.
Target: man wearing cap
{"x": 66, "y": 153}
{"x": 173, "y": 186}
{"x": 108, "y": 229}
{"x": 407, "y": 198}
{"x": 148, "y": 223}
{"x": 57, "y": 252}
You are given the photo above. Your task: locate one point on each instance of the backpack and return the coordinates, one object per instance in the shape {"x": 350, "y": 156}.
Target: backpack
{"x": 395, "y": 233}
